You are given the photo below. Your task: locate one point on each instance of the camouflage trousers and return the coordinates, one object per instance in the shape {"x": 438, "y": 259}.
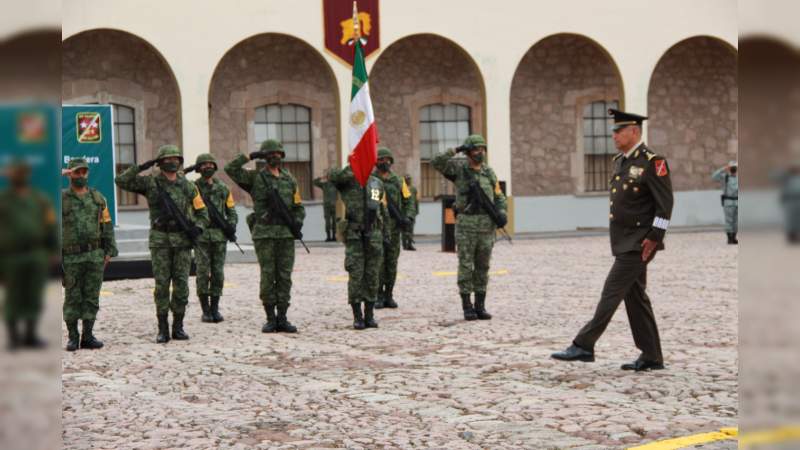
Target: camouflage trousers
{"x": 82, "y": 282}
{"x": 24, "y": 277}
{"x": 330, "y": 219}
{"x": 408, "y": 236}
{"x": 474, "y": 254}
{"x": 363, "y": 267}
{"x": 391, "y": 253}
{"x": 731, "y": 218}
{"x": 171, "y": 266}
{"x": 276, "y": 260}
{"x": 210, "y": 268}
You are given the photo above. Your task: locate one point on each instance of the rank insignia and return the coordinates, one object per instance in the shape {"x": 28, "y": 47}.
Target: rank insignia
{"x": 661, "y": 168}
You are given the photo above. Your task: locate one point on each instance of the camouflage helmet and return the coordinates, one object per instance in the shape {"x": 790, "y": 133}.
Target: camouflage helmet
{"x": 474, "y": 141}
{"x": 169, "y": 151}
{"x": 77, "y": 163}
{"x": 384, "y": 152}
{"x": 205, "y": 158}
{"x": 271, "y": 145}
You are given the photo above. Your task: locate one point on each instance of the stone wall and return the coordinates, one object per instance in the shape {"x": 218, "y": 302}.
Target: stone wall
{"x": 553, "y": 82}
{"x": 693, "y": 108}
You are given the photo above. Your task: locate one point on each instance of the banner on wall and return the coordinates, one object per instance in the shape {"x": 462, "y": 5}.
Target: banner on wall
{"x": 339, "y": 29}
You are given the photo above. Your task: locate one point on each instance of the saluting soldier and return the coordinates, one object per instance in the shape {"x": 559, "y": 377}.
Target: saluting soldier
{"x": 170, "y": 244}
{"x": 730, "y": 198}
{"x": 328, "y": 205}
{"x": 408, "y": 236}
{"x": 641, "y": 207}
{"x": 87, "y": 245}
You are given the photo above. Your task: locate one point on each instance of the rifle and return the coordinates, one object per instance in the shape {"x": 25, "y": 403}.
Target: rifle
{"x": 478, "y": 196}
{"x": 220, "y": 222}
{"x": 186, "y": 226}
{"x": 279, "y": 208}
{"x": 394, "y": 212}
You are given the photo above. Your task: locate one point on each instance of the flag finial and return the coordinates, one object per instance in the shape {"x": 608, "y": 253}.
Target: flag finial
{"x": 356, "y": 25}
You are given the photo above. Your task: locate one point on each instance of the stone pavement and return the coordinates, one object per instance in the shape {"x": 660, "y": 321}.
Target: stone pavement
{"x": 425, "y": 378}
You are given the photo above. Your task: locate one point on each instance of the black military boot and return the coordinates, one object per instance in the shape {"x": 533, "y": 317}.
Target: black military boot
{"x": 358, "y": 318}
{"x": 14, "y": 339}
{"x": 369, "y": 315}
{"x": 730, "y": 238}
{"x": 411, "y": 247}
{"x": 214, "y": 309}
{"x": 381, "y": 297}
{"x": 388, "y": 297}
{"x": 73, "y": 335}
{"x": 32, "y": 339}
{"x": 271, "y": 325}
{"x": 480, "y": 306}
{"x": 204, "y": 305}
{"x": 177, "y": 328}
{"x": 284, "y": 326}
{"x": 87, "y": 338}
{"x": 163, "y": 329}
{"x": 466, "y": 305}
{"x": 733, "y": 239}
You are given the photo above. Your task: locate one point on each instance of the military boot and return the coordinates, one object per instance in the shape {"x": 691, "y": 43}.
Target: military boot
{"x": 381, "y": 297}
{"x": 284, "y": 325}
{"x": 177, "y": 328}
{"x": 735, "y": 240}
{"x": 87, "y": 338}
{"x": 204, "y": 305}
{"x": 14, "y": 339}
{"x": 73, "y": 335}
{"x": 163, "y": 329}
{"x": 32, "y": 339}
{"x": 469, "y": 311}
{"x": 730, "y": 238}
{"x": 271, "y": 325}
{"x": 215, "y": 315}
{"x": 358, "y": 318}
{"x": 388, "y": 297}
{"x": 480, "y": 306}
{"x": 369, "y": 315}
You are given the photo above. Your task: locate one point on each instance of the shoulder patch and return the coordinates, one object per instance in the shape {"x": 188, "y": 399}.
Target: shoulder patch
{"x": 197, "y": 201}
{"x": 297, "y": 199}
{"x": 229, "y": 202}
{"x": 406, "y": 192}
{"x": 106, "y": 216}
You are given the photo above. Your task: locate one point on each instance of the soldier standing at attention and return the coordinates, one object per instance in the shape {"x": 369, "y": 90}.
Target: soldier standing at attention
{"x": 366, "y": 215}
{"x": 730, "y": 198}
{"x": 170, "y": 244}
{"x": 213, "y": 243}
{"x": 328, "y": 205}
{"x": 87, "y": 245}
{"x": 272, "y": 236}
{"x": 408, "y": 236}
{"x": 475, "y": 229}
{"x": 400, "y": 206}
{"x": 641, "y": 207}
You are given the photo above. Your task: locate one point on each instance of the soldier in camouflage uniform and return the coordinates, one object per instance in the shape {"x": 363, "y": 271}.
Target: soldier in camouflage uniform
{"x": 365, "y": 234}
{"x": 730, "y": 198}
{"x": 213, "y": 243}
{"x": 329, "y": 205}
{"x": 272, "y": 238}
{"x": 397, "y": 194}
{"x": 408, "y": 236}
{"x": 87, "y": 245}
{"x": 170, "y": 247}
{"x": 475, "y": 230}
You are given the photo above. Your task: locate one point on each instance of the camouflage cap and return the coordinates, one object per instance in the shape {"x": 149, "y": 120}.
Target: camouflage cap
{"x": 77, "y": 163}
{"x": 473, "y": 141}
{"x": 205, "y": 158}
{"x": 271, "y": 145}
{"x": 169, "y": 151}
{"x": 384, "y": 152}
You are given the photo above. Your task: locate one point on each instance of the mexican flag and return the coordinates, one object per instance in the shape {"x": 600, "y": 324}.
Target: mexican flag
{"x": 363, "y": 132}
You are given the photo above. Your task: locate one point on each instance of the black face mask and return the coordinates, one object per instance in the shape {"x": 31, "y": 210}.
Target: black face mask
{"x": 80, "y": 182}
{"x": 477, "y": 157}
{"x": 208, "y": 172}
{"x": 733, "y": 170}
{"x": 169, "y": 166}
{"x": 384, "y": 166}
{"x": 274, "y": 161}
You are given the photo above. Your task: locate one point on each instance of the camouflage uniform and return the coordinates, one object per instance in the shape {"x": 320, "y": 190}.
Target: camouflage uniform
{"x": 363, "y": 257}
{"x": 408, "y": 236}
{"x": 329, "y": 207}
{"x": 730, "y": 199}
{"x": 475, "y": 230}
{"x": 87, "y": 238}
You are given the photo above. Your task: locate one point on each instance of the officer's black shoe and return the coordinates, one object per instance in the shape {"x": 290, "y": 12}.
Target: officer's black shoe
{"x": 358, "y": 318}
{"x": 14, "y": 339}
{"x": 466, "y": 305}
{"x": 32, "y": 340}
{"x": 284, "y": 326}
{"x": 480, "y": 306}
{"x": 163, "y": 329}
{"x": 73, "y": 336}
{"x": 214, "y": 310}
{"x": 271, "y": 326}
{"x": 574, "y": 353}
{"x": 369, "y": 316}
{"x": 87, "y": 338}
{"x": 641, "y": 365}
{"x": 177, "y": 328}
{"x": 206, "y": 307}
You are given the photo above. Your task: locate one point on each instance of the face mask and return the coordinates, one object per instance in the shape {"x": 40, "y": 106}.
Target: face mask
{"x": 79, "y": 182}
{"x": 208, "y": 172}
{"x": 477, "y": 157}
{"x": 733, "y": 170}
{"x": 384, "y": 166}
{"x": 274, "y": 161}
{"x": 169, "y": 166}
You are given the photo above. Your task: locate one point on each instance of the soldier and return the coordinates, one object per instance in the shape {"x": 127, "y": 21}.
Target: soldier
{"x": 28, "y": 240}
{"x": 788, "y": 181}
{"x": 475, "y": 230}
{"x": 730, "y": 198}
{"x": 170, "y": 243}
{"x": 213, "y": 243}
{"x": 272, "y": 236}
{"x": 408, "y": 236}
{"x": 329, "y": 205}
{"x": 365, "y": 216}
{"x": 400, "y": 207}
{"x": 641, "y": 207}
{"x": 87, "y": 245}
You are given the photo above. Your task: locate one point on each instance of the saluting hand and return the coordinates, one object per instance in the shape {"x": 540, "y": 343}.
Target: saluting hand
{"x": 66, "y": 172}
{"x": 648, "y": 249}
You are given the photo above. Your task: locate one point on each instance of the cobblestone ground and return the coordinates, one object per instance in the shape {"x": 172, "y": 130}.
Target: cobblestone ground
{"x": 425, "y": 378}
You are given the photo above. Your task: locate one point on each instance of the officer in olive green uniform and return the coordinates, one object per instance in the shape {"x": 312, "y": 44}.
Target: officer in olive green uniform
{"x": 87, "y": 245}
{"x": 170, "y": 245}
{"x": 364, "y": 233}
{"x": 641, "y": 206}
{"x": 213, "y": 244}
{"x": 475, "y": 230}
{"x": 408, "y": 236}
{"x": 28, "y": 240}
{"x": 329, "y": 205}
{"x": 399, "y": 199}
{"x": 272, "y": 237}
{"x": 730, "y": 198}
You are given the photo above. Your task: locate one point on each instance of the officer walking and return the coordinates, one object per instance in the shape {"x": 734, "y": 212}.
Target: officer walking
{"x": 641, "y": 207}
{"x": 475, "y": 229}
{"x": 272, "y": 236}
{"x": 730, "y": 198}
{"x": 87, "y": 245}
{"x": 174, "y": 202}
{"x": 408, "y": 236}
{"x": 328, "y": 205}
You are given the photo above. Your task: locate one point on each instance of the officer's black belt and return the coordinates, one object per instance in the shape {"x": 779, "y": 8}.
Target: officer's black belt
{"x": 81, "y": 248}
